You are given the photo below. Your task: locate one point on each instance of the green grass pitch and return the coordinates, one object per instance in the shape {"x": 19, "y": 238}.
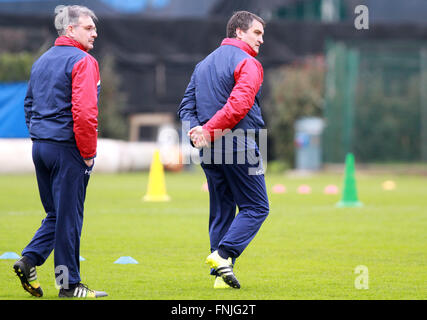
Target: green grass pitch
{"x": 306, "y": 249}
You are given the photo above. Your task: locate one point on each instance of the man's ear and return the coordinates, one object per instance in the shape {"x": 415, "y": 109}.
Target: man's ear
{"x": 239, "y": 33}
{"x": 69, "y": 31}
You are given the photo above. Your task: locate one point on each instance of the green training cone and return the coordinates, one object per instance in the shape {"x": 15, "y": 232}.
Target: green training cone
{"x": 349, "y": 195}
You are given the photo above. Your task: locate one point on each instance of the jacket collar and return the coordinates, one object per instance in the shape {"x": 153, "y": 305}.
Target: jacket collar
{"x": 240, "y": 44}
{"x": 65, "y": 41}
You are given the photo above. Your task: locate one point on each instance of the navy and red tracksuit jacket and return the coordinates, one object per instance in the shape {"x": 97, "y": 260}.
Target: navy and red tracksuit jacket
{"x": 224, "y": 89}
{"x": 62, "y": 98}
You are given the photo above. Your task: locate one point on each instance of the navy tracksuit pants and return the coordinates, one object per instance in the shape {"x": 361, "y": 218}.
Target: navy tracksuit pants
{"x": 231, "y": 185}
{"x": 62, "y": 178}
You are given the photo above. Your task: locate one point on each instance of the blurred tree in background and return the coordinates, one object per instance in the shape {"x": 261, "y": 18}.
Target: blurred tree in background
{"x": 297, "y": 90}
{"x": 15, "y": 67}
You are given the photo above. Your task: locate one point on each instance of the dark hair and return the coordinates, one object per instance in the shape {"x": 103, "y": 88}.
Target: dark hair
{"x": 242, "y": 20}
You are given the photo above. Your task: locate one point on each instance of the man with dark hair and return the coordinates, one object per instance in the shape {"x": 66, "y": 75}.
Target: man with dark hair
{"x": 61, "y": 110}
{"x": 223, "y": 96}
{"x": 242, "y": 20}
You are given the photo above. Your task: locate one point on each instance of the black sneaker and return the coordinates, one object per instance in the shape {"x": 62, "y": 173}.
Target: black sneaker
{"x": 81, "y": 291}
{"x": 28, "y": 276}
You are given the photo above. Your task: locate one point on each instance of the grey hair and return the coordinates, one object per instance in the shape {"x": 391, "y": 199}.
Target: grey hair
{"x": 69, "y": 15}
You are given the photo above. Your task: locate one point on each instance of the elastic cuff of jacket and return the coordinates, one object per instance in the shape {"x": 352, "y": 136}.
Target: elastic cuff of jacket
{"x": 211, "y": 133}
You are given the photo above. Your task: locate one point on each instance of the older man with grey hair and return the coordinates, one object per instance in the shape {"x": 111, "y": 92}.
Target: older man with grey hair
{"x": 61, "y": 110}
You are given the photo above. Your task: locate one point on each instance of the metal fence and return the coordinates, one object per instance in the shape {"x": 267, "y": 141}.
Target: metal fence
{"x": 376, "y": 101}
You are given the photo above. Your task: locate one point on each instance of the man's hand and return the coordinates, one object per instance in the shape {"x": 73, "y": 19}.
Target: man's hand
{"x": 199, "y": 136}
{"x": 89, "y": 162}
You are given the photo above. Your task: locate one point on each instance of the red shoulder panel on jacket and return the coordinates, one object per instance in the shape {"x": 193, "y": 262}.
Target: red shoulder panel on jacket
{"x": 248, "y": 77}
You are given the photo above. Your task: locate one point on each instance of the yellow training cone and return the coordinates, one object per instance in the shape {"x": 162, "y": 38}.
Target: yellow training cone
{"x": 156, "y": 190}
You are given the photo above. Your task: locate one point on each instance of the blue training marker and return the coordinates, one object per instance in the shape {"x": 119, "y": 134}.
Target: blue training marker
{"x": 9, "y": 255}
{"x": 81, "y": 258}
{"x": 126, "y": 260}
